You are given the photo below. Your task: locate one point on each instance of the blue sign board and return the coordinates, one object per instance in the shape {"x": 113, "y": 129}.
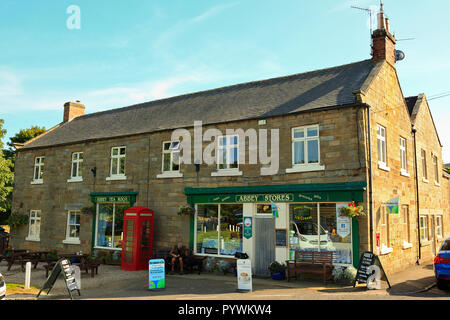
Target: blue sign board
{"x": 156, "y": 274}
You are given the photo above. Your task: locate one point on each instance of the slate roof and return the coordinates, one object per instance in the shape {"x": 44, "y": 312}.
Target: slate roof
{"x": 260, "y": 99}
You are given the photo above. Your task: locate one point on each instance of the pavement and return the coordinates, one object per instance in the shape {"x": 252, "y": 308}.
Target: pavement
{"x": 113, "y": 283}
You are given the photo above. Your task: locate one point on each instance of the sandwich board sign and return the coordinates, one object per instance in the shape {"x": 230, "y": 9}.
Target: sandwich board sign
{"x": 369, "y": 270}
{"x": 62, "y": 266}
{"x": 244, "y": 274}
{"x": 156, "y": 274}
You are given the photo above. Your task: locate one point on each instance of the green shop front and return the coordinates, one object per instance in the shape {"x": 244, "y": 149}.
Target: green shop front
{"x": 271, "y": 222}
{"x": 107, "y": 226}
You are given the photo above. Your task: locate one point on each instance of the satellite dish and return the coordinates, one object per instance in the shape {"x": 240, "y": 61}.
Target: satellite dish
{"x": 399, "y": 55}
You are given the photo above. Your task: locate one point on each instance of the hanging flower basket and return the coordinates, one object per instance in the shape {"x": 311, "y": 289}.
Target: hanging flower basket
{"x": 185, "y": 210}
{"x": 17, "y": 219}
{"x": 352, "y": 211}
{"x": 88, "y": 210}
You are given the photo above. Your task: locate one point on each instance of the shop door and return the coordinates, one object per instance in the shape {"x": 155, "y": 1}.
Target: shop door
{"x": 264, "y": 245}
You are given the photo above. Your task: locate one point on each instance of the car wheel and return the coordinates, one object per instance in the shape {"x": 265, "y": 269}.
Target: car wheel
{"x": 442, "y": 285}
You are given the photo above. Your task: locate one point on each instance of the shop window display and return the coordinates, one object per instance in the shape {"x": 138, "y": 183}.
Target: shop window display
{"x": 314, "y": 227}
{"x": 110, "y": 225}
{"x": 219, "y": 229}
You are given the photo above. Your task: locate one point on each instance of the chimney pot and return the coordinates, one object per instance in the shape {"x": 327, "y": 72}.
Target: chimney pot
{"x": 73, "y": 110}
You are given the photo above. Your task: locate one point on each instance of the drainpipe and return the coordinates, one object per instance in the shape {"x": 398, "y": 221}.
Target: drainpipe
{"x": 370, "y": 179}
{"x": 367, "y": 107}
{"x": 414, "y": 130}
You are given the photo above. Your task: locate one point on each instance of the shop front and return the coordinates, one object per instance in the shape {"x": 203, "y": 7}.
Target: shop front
{"x": 242, "y": 219}
{"x": 107, "y": 227}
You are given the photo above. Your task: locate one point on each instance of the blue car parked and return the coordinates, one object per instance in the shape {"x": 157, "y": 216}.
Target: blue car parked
{"x": 442, "y": 265}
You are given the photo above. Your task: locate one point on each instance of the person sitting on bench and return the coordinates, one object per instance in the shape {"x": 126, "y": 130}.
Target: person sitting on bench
{"x": 178, "y": 253}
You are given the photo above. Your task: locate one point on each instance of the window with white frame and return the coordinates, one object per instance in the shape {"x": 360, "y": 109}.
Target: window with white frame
{"x": 305, "y": 145}
{"x": 406, "y": 224}
{"x": 73, "y": 227}
{"x": 381, "y": 142}
{"x": 171, "y": 156}
{"x": 34, "y": 225}
{"x": 228, "y": 153}
{"x": 403, "y": 156}
{"x": 439, "y": 232}
{"x": 77, "y": 166}
{"x": 118, "y": 155}
{"x": 384, "y": 226}
{"x": 436, "y": 169}
{"x": 423, "y": 227}
{"x": 424, "y": 164}
{"x": 38, "y": 169}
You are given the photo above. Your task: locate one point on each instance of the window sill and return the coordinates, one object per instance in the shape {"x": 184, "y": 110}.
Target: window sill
{"x": 405, "y": 174}
{"x": 33, "y": 239}
{"x": 40, "y": 181}
{"x": 383, "y": 167}
{"x": 72, "y": 241}
{"x": 226, "y": 173}
{"x": 116, "y": 178}
{"x": 437, "y": 184}
{"x": 425, "y": 243}
{"x": 107, "y": 248}
{"x": 78, "y": 179}
{"x": 407, "y": 245}
{"x": 306, "y": 168}
{"x": 425, "y": 180}
{"x": 214, "y": 255}
{"x": 385, "y": 250}
{"x": 170, "y": 174}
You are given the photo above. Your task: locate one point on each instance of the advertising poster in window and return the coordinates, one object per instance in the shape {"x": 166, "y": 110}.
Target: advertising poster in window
{"x": 343, "y": 223}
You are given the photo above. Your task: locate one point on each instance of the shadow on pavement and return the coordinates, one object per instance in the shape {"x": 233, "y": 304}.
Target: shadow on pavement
{"x": 344, "y": 290}
{"x": 411, "y": 286}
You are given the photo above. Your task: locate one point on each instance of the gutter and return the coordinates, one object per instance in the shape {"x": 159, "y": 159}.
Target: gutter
{"x": 419, "y": 255}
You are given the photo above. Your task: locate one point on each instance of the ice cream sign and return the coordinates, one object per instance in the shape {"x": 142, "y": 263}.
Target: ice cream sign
{"x": 343, "y": 223}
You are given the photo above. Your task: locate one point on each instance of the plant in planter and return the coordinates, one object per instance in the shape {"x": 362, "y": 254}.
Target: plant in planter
{"x": 344, "y": 275}
{"x": 277, "y": 270}
{"x": 17, "y": 219}
{"x": 185, "y": 210}
{"x": 211, "y": 264}
{"x": 223, "y": 266}
{"x": 352, "y": 210}
{"x": 52, "y": 254}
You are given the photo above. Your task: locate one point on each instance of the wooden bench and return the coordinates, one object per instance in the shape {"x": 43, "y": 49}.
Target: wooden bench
{"x": 310, "y": 262}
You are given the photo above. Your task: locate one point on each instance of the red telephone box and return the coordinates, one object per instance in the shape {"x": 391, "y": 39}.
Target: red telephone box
{"x": 137, "y": 244}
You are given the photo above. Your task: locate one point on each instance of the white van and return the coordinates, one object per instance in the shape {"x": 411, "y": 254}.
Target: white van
{"x": 305, "y": 236}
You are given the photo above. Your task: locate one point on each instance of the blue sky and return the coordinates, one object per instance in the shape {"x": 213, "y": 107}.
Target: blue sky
{"x": 133, "y": 51}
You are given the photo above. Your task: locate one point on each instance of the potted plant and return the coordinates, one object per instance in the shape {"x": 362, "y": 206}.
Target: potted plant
{"x": 185, "y": 210}
{"x": 223, "y": 266}
{"x": 344, "y": 275}
{"x": 352, "y": 210}
{"x": 277, "y": 270}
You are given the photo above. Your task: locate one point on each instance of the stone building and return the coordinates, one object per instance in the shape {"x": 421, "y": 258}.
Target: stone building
{"x": 335, "y": 136}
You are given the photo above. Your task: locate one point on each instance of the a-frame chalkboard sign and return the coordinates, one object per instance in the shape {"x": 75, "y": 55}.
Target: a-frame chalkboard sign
{"x": 368, "y": 259}
{"x": 63, "y": 265}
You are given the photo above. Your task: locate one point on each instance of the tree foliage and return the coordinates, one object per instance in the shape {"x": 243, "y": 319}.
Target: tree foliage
{"x": 6, "y": 176}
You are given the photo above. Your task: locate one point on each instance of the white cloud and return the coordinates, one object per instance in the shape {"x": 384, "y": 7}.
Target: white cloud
{"x": 10, "y": 83}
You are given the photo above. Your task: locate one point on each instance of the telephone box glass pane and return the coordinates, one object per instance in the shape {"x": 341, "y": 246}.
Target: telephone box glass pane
{"x": 207, "y": 229}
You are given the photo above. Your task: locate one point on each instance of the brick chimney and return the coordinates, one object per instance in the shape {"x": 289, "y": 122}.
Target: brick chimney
{"x": 73, "y": 110}
{"x": 383, "y": 42}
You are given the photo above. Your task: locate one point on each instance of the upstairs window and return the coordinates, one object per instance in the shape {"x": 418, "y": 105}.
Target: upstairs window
{"x": 228, "y": 153}
{"x": 38, "y": 169}
{"x": 424, "y": 165}
{"x": 381, "y": 143}
{"x": 403, "y": 156}
{"x": 118, "y": 155}
{"x": 77, "y": 166}
{"x": 436, "y": 169}
{"x": 171, "y": 156}
{"x": 305, "y": 145}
